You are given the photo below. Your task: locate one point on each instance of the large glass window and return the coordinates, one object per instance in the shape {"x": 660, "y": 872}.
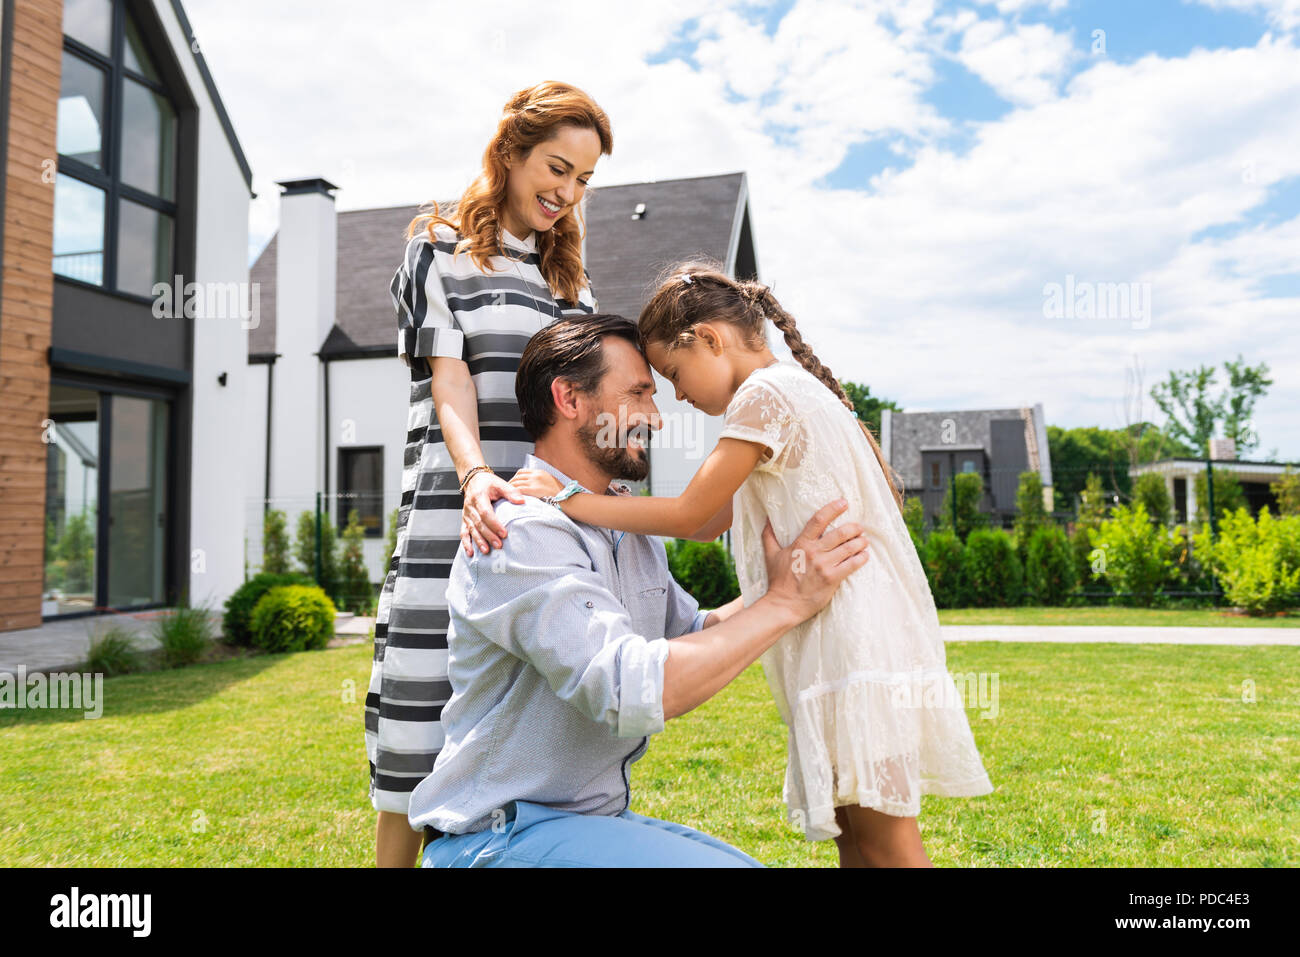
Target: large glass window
{"x": 115, "y": 199}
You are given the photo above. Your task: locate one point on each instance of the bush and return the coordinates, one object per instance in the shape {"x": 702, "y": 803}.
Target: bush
{"x": 1150, "y": 489}
{"x": 1049, "y": 571}
{"x": 1031, "y": 515}
{"x": 943, "y": 569}
{"x": 969, "y": 490}
{"x": 705, "y": 570}
{"x": 275, "y": 542}
{"x": 1136, "y": 555}
{"x": 305, "y": 551}
{"x": 293, "y": 618}
{"x": 113, "y": 652}
{"x": 991, "y": 569}
{"x": 1257, "y": 562}
{"x": 239, "y": 606}
{"x": 185, "y": 634}
{"x": 914, "y": 519}
{"x": 355, "y": 591}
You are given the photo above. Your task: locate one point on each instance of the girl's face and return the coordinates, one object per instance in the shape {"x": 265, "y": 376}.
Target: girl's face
{"x": 699, "y": 371}
{"x": 544, "y": 186}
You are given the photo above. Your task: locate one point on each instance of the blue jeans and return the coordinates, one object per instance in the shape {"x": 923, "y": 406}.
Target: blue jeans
{"x": 535, "y": 835}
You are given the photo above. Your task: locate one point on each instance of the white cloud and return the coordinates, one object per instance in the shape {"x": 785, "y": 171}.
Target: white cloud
{"x": 928, "y": 287}
{"x": 1024, "y": 63}
{"x": 1284, "y": 14}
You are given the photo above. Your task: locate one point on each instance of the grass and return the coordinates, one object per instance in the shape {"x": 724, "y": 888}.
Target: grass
{"x": 1114, "y": 615}
{"x": 1102, "y": 755}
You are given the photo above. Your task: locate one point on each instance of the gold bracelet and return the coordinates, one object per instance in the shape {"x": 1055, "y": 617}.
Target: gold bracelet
{"x": 470, "y": 474}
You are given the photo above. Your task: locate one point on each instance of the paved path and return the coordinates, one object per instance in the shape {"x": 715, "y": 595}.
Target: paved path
{"x": 1125, "y": 634}
{"x": 63, "y": 645}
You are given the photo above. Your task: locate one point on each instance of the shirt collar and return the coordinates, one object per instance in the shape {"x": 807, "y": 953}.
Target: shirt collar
{"x": 532, "y": 461}
{"x": 510, "y": 239}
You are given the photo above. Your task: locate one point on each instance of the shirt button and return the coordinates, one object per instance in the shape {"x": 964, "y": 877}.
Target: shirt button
{"x": 591, "y": 605}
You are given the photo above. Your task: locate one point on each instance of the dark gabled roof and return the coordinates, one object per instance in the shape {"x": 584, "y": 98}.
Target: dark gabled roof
{"x": 683, "y": 218}
{"x": 910, "y": 433}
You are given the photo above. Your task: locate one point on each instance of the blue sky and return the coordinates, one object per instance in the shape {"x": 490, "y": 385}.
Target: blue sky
{"x": 965, "y": 157}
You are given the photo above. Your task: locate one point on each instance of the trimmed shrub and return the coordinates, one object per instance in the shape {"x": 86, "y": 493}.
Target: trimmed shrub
{"x": 239, "y": 606}
{"x": 293, "y": 618}
{"x": 1136, "y": 555}
{"x": 943, "y": 569}
{"x": 969, "y": 490}
{"x": 705, "y": 570}
{"x": 1049, "y": 571}
{"x": 992, "y": 570}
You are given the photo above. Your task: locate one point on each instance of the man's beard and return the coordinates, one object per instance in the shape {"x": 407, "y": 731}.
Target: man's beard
{"x": 618, "y": 461}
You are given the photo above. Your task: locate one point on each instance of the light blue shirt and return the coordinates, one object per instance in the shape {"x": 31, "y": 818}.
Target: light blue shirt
{"x": 556, "y": 649}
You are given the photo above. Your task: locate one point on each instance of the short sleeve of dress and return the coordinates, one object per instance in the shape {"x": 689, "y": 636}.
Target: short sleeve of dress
{"x": 586, "y": 300}
{"x": 426, "y": 326}
{"x": 759, "y": 412}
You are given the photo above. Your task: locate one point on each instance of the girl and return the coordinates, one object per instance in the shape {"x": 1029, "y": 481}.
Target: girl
{"x": 874, "y": 718}
{"x": 473, "y": 287}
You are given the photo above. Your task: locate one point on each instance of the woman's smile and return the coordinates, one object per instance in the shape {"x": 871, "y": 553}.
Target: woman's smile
{"x": 549, "y": 210}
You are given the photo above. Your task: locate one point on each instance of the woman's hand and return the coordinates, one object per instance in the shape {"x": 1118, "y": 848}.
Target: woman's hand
{"x": 536, "y": 482}
{"x": 478, "y": 520}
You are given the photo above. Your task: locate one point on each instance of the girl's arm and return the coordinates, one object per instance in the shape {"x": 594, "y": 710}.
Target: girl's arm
{"x": 685, "y": 516}
{"x": 714, "y": 526}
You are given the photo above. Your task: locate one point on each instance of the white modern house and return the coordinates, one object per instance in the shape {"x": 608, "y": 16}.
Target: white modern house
{"x": 121, "y": 408}
{"x": 325, "y": 403}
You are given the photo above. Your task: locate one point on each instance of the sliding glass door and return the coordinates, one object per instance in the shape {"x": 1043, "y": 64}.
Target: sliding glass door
{"x": 106, "y": 499}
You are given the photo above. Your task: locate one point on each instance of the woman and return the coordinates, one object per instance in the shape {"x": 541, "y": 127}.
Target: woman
{"x": 471, "y": 290}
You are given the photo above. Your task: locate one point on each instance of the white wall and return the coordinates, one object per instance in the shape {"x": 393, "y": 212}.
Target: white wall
{"x": 220, "y": 345}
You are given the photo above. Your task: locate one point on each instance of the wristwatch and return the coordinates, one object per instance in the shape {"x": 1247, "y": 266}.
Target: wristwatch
{"x": 568, "y": 491}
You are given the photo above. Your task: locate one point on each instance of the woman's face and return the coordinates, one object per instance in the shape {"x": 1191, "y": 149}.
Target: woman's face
{"x": 545, "y": 185}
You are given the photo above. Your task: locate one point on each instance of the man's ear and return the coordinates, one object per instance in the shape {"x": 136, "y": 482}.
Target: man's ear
{"x": 565, "y": 397}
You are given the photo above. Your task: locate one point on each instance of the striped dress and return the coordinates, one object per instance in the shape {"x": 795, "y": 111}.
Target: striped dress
{"x": 446, "y": 306}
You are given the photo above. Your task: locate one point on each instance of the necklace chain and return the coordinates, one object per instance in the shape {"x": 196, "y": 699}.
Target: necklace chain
{"x": 524, "y": 282}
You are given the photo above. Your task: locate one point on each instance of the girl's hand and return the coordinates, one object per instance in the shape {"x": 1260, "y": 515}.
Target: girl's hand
{"x": 478, "y": 521}
{"x": 536, "y": 482}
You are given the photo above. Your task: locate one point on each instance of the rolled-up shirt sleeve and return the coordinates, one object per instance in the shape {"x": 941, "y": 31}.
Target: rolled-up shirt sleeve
{"x": 539, "y": 598}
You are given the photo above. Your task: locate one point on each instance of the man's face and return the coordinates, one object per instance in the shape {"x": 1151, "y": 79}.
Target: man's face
{"x": 616, "y": 435}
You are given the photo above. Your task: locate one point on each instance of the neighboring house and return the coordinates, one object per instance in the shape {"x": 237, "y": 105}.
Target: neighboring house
{"x": 928, "y": 448}
{"x": 1180, "y": 478}
{"x": 119, "y": 427}
{"x": 327, "y": 396}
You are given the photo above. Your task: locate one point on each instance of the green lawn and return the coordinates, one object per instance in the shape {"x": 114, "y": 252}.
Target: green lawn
{"x": 1104, "y": 755}
{"x": 1109, "y": 615}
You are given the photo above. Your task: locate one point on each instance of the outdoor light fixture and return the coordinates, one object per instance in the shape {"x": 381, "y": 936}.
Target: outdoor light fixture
{"x": 639, "y": 212}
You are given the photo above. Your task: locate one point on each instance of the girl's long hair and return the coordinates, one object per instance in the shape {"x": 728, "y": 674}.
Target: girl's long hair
{"x": 711, "y": 295}
{"x": 531, "y": 116}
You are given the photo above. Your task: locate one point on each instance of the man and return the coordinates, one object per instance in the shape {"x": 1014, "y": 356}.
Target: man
{"x": 572, "y": 644}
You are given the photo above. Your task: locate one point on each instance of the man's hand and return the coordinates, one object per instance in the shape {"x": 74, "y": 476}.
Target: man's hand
{"x": 804, "y": 575}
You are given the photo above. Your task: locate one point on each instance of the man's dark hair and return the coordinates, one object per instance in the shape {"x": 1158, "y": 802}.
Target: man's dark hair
{"x": 570, "y": 349}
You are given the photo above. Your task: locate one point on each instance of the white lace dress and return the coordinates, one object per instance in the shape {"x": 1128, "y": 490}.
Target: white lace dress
{"x": 874, "y": 717}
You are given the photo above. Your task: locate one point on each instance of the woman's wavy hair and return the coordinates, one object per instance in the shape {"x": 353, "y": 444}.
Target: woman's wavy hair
{"x": 699, "y": 291}
{"x": 530, "y": 117}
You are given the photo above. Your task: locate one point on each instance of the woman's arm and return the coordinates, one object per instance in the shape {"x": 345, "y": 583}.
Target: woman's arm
{"x": 455, "y": 403}
{"x": 685, "y": 516}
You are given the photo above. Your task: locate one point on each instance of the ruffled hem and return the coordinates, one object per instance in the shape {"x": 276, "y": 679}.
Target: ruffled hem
{"x": 878, "y": 740}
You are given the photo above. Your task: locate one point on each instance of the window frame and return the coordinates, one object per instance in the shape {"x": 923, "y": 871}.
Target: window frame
{"x": 108, "y": 178}
{"x": 341, "y": 498}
